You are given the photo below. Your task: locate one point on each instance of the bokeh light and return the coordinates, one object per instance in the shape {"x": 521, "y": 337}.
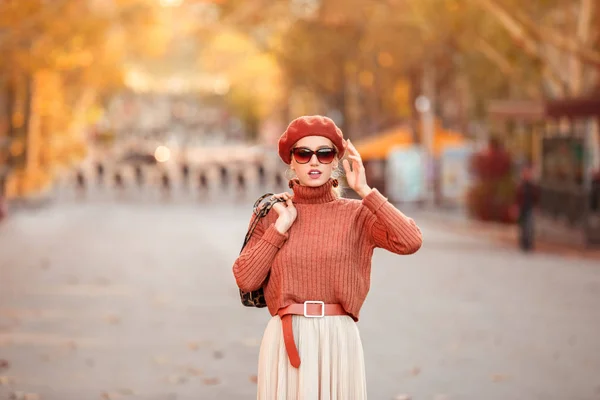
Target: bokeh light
{"x": 162, "y": 154}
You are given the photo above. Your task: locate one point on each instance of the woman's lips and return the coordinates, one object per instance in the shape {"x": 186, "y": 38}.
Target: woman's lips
{"x": 314, "y": 175}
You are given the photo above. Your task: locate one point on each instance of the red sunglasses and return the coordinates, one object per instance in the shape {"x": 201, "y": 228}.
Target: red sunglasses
{"x": 303, "y": 155}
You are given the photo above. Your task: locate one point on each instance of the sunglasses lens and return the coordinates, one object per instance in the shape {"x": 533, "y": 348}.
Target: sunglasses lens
{"x": 302, "y": 156}
{"x": 325, "y": 156}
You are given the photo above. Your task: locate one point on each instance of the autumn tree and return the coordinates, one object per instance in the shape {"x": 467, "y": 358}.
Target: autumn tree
{"x": 59, "y": 59}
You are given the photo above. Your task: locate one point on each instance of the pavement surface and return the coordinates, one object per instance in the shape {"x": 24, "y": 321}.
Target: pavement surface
{"x": 131, "y": 296}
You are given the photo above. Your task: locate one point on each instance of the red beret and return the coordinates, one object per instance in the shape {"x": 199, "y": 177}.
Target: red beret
{"x": 314, "y": 125}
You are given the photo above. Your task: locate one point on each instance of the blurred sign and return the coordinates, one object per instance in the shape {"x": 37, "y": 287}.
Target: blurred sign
{"x": 406, "y": 174}
{"x": 454, "y": 175}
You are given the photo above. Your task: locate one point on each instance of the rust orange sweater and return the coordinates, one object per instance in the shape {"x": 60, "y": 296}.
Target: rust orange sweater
{"x": 326, "y": 254}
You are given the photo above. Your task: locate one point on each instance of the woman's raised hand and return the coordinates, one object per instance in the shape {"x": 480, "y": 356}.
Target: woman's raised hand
{"x": 287, "y": 212}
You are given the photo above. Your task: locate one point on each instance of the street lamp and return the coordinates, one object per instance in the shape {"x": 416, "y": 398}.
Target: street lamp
{"x": 423, "y": 106}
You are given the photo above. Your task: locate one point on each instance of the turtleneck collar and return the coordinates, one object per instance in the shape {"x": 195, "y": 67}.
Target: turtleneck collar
{"x": 312, "y": 195}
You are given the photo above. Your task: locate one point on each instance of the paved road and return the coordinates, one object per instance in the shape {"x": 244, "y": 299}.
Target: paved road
{"x": 136, "y": 300}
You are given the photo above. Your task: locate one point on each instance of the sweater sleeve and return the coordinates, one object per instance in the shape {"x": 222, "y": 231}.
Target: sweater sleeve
{"x": 252, "y": 266}
{"x": 390, "y": 228}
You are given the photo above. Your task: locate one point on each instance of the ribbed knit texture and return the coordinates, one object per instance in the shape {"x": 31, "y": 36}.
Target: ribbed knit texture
{"x": 326, "y": 254}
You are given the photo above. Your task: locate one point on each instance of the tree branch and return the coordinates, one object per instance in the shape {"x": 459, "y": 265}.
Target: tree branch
{"x": 563, "y": 42}
{"x": 526, "y": 31}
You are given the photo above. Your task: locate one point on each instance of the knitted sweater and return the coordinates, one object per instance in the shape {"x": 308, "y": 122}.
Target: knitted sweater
{"x": 326, "y": 254}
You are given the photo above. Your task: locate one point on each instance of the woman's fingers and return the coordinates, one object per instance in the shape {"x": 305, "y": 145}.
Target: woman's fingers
{"x": 355, "y": 158}
{"x": 346, "y": 165}
{"x": 285, "y": 196}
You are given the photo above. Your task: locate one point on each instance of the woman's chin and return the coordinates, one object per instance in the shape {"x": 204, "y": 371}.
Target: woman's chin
{"x": 308, "y": 181}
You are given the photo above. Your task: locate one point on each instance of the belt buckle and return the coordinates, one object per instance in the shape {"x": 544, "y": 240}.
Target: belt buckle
{"x": 322, "y": 303}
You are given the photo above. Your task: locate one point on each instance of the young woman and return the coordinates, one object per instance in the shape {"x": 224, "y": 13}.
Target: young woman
{"x": 313, "y": 259}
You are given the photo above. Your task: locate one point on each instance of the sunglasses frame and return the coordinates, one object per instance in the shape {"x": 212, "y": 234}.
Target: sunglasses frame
{"x": 314, "y": 152}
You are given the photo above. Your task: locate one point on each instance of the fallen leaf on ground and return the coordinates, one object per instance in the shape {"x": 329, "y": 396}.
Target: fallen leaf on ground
{"x": 160, "y": 300}
{"x": 110, "y": 396}
{"x": 194, "y": 371}
{"x": 113, "y": 319}
{"x": 160, "y": 360}
{"x": 126, "y": 392}
{"x": 499, "y": 378}
{"x": 176, "y": 379}
{"x": 6, "y": 380}
{"x": 251, "y": 342}
{"x": 24, "y": 396}
{"x": 218, "y": 354}
{"x": 211, "y": 381}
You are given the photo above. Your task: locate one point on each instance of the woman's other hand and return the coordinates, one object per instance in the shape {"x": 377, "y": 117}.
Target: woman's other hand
{"x": 287, "y": 212}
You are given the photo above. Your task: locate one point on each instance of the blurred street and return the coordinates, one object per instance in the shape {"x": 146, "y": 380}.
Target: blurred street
{"x": 102, "y": 298}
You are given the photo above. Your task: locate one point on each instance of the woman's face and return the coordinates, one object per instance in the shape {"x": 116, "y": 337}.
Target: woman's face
{"x": 312, "y": 171}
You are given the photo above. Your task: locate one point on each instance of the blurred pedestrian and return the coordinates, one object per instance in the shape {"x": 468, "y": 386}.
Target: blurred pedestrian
{"x": 278, "y": 180}
{"x": 166, "y": 181}
{"x": 80, "y": 180}
{"x": 261, "y": 174}
{"x": 165, "y": 185}
{"x": 185, "y": 171}
{"x": 202, "y": 181}
{"x": 224, "y": 176}
{"x": 139, "y": 175}
{"x": 80, "y": 183}
{"x": 241, "y": 183}
{"x": 311, "y": 346}
{"x": 119, "y": 183}
{"x": 100, "y": 172}
{"x": 185, "y": 175}
{"x": 528, "y": 194}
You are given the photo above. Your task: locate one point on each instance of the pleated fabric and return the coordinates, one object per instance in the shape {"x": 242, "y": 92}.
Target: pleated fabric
{"x": 331, "y": 361}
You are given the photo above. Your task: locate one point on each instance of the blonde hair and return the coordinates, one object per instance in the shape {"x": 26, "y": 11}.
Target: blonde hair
{"x": 338, "y": 173}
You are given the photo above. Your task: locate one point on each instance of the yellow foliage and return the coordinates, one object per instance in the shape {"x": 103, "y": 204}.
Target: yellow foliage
{"x": 401, "y": 98}
{"x": 366, "y": 78}
{"x": 247, "y": 69}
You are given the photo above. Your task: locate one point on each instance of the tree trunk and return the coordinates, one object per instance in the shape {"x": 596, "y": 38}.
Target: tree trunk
{"x": 27, "y": 109}
{"x": 415, "y": 91}
{"x": 8, "y": 91}
{"x": 576, "y": 70}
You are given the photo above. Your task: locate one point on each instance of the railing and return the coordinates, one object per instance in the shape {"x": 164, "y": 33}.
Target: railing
{"x": 567, "y": 203}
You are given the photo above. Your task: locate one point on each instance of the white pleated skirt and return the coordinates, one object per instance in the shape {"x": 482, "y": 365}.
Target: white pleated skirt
{"x": 332, "y": 363}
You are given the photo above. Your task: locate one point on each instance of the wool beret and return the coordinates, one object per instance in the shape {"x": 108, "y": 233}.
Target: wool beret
{"x": 312, "y": 125}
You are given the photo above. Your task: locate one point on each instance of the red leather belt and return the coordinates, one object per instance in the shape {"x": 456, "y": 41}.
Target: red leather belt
{"x": 309, "y": 309}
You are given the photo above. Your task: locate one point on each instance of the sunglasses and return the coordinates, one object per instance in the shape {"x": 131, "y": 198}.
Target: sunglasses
{"x": 303, "y": 155}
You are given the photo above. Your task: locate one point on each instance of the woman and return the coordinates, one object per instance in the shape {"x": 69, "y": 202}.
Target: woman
{"x": 313, "y": 259}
